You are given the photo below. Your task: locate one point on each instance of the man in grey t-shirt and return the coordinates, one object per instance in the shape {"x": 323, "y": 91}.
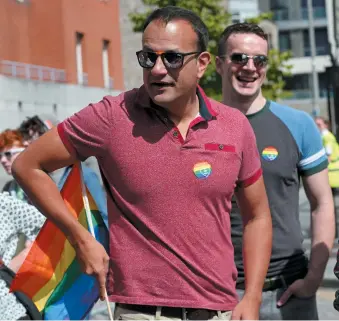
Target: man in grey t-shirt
{"x": 290, "y": 147}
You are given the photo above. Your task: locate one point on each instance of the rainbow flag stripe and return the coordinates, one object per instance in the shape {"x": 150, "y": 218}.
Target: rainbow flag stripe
{"x": 270, "y": 153}
{"x": 51, "y": 275}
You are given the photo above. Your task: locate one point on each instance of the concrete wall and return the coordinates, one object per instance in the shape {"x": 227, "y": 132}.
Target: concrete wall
{"x": 130, "y": 43}
{"x": 22, "y": 98}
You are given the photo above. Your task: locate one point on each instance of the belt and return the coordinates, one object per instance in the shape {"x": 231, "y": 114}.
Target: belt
{"x": 173, "y": 312}
{"x": 276, "y": 282}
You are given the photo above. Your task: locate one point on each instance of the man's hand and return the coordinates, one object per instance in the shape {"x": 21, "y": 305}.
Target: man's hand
{"x": 301, "y": 288}
{"x": 247, "y": 309}
{"x": 94, "y": 261}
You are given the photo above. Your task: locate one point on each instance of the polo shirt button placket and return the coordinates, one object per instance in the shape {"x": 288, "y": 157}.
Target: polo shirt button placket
{"x": 175, "y": 134}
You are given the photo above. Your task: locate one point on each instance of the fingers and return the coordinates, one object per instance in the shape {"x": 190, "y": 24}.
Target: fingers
{"x": 235, "y": 315}
{"x": 236, "y": 312}
{"x": 102, "y": 278}
{"x": 102, "y": 285}
{"x": 285, "y": 296}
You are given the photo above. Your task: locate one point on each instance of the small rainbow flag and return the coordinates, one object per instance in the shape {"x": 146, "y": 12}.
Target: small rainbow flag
{"x": 51, "y": 275}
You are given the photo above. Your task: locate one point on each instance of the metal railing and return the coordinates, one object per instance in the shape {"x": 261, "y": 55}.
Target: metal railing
{"x": 280, "y": 14}
{"x": 84, "y": 79}
{"x": 31, "y": 72}
{"x": 320, "y": 51}
{"x": 306, "y": 93}
{"x": 283, "y": 14}
{"x": 318, "y": 13}
{"x": 111, "y": 83}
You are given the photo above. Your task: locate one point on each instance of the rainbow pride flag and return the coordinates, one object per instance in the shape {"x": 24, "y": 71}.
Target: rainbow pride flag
{"x": 51, "y": 275}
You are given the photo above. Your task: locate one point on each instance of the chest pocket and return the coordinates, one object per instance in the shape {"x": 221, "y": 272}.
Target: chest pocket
{"x": 220, "y": 147}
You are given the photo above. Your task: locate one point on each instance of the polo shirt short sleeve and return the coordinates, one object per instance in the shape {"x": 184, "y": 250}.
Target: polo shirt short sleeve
{"x": 88, "y": 130}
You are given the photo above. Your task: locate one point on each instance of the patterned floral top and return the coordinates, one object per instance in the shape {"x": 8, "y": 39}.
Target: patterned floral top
{"x": 16, "y": 217}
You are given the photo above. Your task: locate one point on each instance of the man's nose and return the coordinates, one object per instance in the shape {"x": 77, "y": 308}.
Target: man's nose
{"x": 250, "y": 65}
{"x": 159, "y": 68}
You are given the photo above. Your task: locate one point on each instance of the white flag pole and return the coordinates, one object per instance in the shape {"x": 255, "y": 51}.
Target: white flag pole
{"x": 91, "y": 228}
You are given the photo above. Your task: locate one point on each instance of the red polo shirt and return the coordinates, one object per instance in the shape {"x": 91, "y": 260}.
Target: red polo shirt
{"x": 169, "y": 199}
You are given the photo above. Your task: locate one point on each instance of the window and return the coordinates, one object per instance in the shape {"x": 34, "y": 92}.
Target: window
{"x": 300, "y": 86}
{"x": 319, "y": 9}
{"x": 105, "y": 63}
{"x": 78, "y": 53}
{"x": 315, "y": 3}
{"x": 236, "y": 17}
{"x": 321, "y": 42}
{"x": 284, "y": 41}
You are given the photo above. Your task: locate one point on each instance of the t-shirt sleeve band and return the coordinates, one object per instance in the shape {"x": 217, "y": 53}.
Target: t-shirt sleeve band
{"x": 251, "y": 180}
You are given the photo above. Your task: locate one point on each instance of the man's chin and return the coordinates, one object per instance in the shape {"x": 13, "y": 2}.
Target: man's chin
{"x": 247, "y": 92}
{"x": 161, "y": 99}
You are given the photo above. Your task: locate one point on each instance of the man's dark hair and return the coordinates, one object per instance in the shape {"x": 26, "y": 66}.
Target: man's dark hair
{"x": 171, "y": 13}
{"x": 32, "y": 124}
{"x": 239, "y": 28}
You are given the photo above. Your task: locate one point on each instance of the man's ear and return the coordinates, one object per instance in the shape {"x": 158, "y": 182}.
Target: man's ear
{"x": 204, "y": 60}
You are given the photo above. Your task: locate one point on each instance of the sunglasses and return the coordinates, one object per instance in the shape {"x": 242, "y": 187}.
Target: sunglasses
{"x": 172, "y": 60}
{"x": 242, "y": 59}
{"x": 9, "y": 153}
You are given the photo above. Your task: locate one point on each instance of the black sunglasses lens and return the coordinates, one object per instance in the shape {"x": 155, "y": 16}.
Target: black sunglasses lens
{"x": 147, "y": 59}
{"x": 173, "y": 59}
{"x": 240, "y": 59}
{"x": 260, "y": 61}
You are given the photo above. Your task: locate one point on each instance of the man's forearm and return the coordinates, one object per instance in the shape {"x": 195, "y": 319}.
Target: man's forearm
{"x": 257, "y": 246}
{"x": 44, "y": 194}
{"x": 323, "y": 230}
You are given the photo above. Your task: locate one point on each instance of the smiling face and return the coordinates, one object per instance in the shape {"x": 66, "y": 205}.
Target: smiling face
{"x": 169, "y": 86}
{"x": 244, "y": 80}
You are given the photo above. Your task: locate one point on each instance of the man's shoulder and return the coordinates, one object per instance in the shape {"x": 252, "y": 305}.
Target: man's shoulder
{"x": 124, "y": 97}
{"x": 289, "y": 114}
{"x": 226, "y": 112}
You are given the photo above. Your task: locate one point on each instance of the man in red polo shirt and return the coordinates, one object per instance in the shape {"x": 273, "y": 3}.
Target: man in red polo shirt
{"x": 171, "y": 159}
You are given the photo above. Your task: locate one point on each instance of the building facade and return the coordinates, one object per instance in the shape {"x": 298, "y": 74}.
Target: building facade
{"x": 291, "y": 19}
{"x": 52, "y": 50}
{"x": 242, "y": 10}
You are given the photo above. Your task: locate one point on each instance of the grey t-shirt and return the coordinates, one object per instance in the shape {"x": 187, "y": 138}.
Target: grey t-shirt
{"x": 290, "y": 146}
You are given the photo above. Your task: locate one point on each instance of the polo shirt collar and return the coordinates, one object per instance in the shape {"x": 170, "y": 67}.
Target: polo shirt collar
{"x": 205, "y": 108}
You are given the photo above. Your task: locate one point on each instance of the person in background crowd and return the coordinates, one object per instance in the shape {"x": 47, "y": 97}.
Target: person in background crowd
{"x": 332, "y": 151}
{"x": 290, "y": 147}
{"x": 11, "y": 145}
{"x": 17, "y": 218}
{"x": 34, "y": 127}
{"x": 171, "y": 158}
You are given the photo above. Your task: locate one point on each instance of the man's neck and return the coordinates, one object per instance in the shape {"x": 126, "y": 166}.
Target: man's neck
{"x": 184, "y": 110}
{"x": 247, "y": 105}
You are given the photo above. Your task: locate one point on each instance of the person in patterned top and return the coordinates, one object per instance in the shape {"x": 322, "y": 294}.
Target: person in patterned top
{"x": 11, "y": 145}
{"x": 16, "y": 218}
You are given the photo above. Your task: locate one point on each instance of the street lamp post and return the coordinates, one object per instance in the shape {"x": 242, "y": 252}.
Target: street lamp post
{"x": 315, "y": 82}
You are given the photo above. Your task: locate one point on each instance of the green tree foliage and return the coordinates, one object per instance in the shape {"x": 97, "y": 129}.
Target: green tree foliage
{"x": 278, "y": 69}
{"x": 216, "y": 18}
